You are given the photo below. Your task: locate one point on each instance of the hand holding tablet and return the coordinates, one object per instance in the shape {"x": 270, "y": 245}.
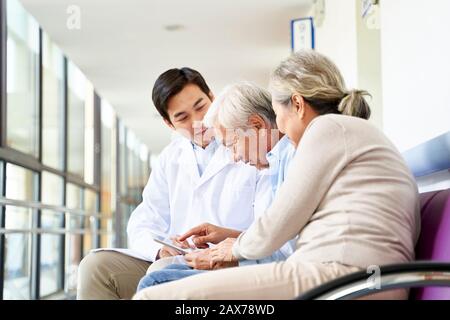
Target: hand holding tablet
{"x": 168, "y": 242}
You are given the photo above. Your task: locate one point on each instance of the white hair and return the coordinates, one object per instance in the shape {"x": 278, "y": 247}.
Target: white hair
{"x": 236, "y": 103}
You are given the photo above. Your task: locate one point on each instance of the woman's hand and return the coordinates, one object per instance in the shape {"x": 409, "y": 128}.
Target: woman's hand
{"x": 202, "y": 260}
{"x": 207, "y": 232}
{"x": 223, "y": 251}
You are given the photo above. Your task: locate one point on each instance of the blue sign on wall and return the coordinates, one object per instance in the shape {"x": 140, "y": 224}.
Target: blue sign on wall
{"x": 302, "y": 34}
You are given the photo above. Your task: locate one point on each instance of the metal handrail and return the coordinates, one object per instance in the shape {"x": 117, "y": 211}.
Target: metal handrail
{"x": 57, "y": 231}
{"x": 42, "y": 206}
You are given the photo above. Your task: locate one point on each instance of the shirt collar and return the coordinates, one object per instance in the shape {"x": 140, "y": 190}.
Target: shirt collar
{"x": 210, "y": 147}
{"x": 278, "y": 149}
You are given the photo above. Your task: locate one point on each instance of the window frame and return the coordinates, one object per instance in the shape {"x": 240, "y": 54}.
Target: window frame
{"x": 33, "y": 163}
{"x": 2, "y": 135}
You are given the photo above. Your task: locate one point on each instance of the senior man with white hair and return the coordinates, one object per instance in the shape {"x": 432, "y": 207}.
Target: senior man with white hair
{"x": 244, "y": 121}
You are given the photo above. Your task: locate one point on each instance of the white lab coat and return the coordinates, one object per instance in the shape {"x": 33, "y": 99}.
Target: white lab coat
{"x": 176, "y": 198}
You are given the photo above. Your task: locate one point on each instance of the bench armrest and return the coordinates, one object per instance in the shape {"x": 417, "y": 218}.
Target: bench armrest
{"x": 398, "y": 276}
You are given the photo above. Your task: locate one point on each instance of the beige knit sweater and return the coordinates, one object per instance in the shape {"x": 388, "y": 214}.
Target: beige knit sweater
{"x": 348, "y": 195}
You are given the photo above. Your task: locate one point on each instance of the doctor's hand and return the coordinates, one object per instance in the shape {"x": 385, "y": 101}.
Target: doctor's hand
{"x": 182, "y": 244}
{"x": 167, "y": 252}
{"x": 207, "y": 232}
{"x": 202, "y": 260}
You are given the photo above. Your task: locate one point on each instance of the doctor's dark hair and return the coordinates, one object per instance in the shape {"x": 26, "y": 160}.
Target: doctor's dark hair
{"x": 318, "y": 80}
{"x": 171, "y": 82}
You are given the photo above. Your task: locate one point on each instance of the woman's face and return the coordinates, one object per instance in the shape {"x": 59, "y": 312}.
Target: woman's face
{"x": 288, "y": 121}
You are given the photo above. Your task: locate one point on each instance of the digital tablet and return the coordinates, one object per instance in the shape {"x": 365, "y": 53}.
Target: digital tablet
{"x": 169, "y": 243}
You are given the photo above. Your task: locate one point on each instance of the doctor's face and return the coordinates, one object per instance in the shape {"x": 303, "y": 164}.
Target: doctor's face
{"x": 186, "y": 111}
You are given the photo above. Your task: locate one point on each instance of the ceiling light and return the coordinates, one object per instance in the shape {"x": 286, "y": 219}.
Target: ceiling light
{"x": 174, "y": 27}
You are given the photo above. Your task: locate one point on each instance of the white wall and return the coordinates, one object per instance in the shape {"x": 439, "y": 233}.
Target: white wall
{"x": 416, "y": 69}
{"x": 336, "y": 37}
{"x": 369, "y": 65}
{"x": 405, "y": 65}
{"x": 354, "y": 48}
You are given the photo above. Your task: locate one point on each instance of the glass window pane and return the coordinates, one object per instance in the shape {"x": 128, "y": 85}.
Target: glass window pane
{"x": 52, "y": 189}
{"x": 123, "y": 159}
{"x": 133, "y": 163}
{"x": 107, "y": 237}
{"x": 89, "y": 135}
{"x": 51, "y": 244}
{"x": 22, "y": 79}
{"x": 2, "y": 174}
{"x": 20, "y": 185}
{"x": 51, "y": 266}
{"x": 90, "y": 225}
{"x": 73, "y": 240}
{"x": 73, "y": 196}
{"x": 108, "y": 157}
{"x": 53, "y": 104}
{"x": 77, "y": 84}
{"x": 17, "y": 275}
{"x": 144, "y": 165}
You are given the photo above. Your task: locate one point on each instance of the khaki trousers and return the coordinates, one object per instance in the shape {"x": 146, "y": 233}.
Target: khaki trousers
{"x": 109, "y": 275}
{"x": 280, "y": 280}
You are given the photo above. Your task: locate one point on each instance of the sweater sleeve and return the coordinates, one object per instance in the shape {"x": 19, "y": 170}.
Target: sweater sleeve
{"x": 320, "y": 157}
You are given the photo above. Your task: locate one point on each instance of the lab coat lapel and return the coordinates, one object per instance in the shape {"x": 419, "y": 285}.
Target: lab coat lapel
{"x": 219, "y": 160}
{"x": 188, "y": 162}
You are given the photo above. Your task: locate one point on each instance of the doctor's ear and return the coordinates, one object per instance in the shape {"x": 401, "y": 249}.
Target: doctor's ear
{"x": 169, "y": 124}
{"x": 211, "y": 96}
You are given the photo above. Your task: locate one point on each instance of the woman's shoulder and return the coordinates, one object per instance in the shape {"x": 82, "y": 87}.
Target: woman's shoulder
{"x": 355, "y": 131}
{"x": 347, "y": 124}
{"x": 341, "y": 120}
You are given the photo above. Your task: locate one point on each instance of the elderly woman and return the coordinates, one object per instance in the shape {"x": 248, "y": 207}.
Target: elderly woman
{"x": 245, "y": 122}
{"x": 348, "y": 196}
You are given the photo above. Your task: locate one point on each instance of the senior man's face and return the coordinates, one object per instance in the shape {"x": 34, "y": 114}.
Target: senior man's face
{"x": 249, "y": 145}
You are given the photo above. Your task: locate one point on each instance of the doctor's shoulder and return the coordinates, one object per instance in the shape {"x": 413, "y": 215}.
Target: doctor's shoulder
{"x": 172, "y": 153}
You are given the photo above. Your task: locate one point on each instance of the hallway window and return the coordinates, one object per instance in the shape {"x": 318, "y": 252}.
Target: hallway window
{"x": 133, "y": 165}
{"x": 20, "y": 185}
{"x": 108, "y": 176}
{"x": 75, "y": 118}
{"x": 74, "y": 223}
{"x": 53, "y": 104}
{"x": 90, "y": 223}
{"x": 122, "y": 180}
{"x": 22, "y": 80}
{"x": 144, "y": 164}
{"x": 51, "y": 244}
{"x": 89, "y": 128}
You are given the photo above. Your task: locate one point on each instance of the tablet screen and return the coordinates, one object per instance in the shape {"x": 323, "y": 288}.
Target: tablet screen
{"x": 168, "y": 242}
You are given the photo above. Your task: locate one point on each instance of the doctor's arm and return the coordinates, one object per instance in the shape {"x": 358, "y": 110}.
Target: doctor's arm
{"x": 151, "y": 216}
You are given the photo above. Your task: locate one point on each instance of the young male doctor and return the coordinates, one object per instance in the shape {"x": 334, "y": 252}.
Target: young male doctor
{"x": 194, "y": 181}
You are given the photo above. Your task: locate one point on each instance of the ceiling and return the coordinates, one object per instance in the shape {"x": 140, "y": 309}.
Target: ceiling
{"x": 123, "y": 45}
